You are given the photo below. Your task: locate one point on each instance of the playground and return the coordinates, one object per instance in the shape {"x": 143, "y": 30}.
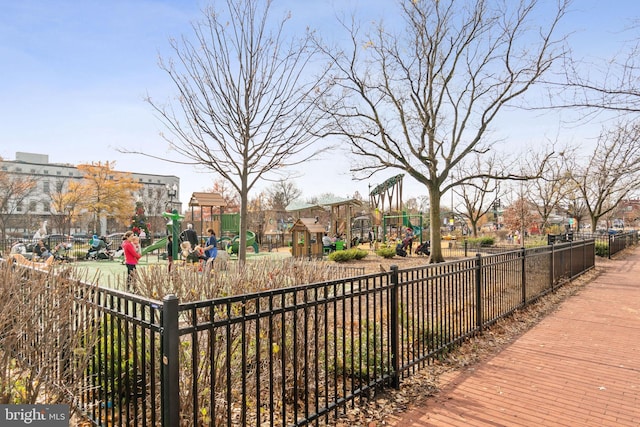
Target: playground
{"x": 386, "y": 222}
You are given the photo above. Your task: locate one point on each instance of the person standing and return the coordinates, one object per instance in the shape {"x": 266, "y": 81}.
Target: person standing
{"x": 131, "y": 257}
{"x": 211, "y": 247}
{"x": 169, "y": 252}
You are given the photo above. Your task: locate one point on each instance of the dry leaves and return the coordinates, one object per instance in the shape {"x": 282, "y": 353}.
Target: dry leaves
{"x": 384, "y": 410}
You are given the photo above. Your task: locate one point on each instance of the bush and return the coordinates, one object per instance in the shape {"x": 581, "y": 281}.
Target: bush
{"x": 386, "y": 252}
{"x": 481, "y": 241}
{"x": 602, "y": 249}
{"x": 347, "y": 255}
{"x": 359, "y": 253}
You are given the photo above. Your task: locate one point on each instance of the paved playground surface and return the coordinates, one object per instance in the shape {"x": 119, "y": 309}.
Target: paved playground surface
{"x": 580, "y": 366}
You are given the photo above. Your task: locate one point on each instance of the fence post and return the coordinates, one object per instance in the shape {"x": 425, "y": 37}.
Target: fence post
{"x": 609, "y": 245}
{"x": 571, "y": 260}
{"x": 170, "y": 370}
{"x": 524, "y": 276}
{"x": 394, "y": 324}
{"x": 465, "y": 248}
{"x": 553, "y": 266}
{"x": 479, "y": 318}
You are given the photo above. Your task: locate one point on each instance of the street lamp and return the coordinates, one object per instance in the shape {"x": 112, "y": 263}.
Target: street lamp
{"x": 172, "y": 191}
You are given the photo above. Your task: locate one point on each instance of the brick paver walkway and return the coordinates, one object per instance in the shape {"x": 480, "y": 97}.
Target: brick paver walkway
{"x": 580, "y": 366}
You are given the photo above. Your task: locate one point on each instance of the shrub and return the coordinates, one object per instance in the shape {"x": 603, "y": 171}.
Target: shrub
{"x": 359, "y": 253}
{"x": 602, "y": 249}
{"x": 481, "y": 241}
{"x": 386, "y": 252}
{"x": 347, "y": 255}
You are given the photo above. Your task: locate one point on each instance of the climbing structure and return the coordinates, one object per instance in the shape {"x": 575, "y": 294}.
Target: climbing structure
{"x": 388, "y": 193}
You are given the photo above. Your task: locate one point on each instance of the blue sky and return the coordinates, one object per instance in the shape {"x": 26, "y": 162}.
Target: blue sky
{"x": 75, "y": 74}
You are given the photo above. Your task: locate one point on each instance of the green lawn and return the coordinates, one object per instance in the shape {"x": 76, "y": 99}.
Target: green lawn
{"x": 106, "y": 273}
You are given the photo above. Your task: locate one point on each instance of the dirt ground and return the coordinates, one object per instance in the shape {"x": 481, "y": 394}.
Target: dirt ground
{"x": 374, "y": 263}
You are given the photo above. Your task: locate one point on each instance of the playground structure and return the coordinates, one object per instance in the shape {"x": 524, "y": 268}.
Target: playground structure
{"x": 307, "y": 238}
{"x": 232, "y": 244}
{"x": 226, "y": 226}
{"x": 341, "y": 213}
{"x": 389, "y": 221}
{"x": 158, "y": 244}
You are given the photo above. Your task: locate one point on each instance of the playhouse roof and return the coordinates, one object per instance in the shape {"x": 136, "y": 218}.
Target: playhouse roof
{"x": 207, "y": 200}
{"x": 310, "y": 224}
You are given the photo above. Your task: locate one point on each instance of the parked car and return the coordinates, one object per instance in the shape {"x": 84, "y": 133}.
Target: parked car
{"x": 115, "y": 238}
{"x": 81, "y": 238}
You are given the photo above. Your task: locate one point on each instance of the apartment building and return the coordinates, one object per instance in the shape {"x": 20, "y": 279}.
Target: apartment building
{"x": 159, "y": 193}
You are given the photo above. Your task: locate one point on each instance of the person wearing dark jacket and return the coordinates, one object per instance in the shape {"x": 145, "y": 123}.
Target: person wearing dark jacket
{"x": 189, "y": 235}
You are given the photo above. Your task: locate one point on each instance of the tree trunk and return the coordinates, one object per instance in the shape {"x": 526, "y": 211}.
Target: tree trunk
{"x": 244, "y": 219}
{"x": 434, "y": 216}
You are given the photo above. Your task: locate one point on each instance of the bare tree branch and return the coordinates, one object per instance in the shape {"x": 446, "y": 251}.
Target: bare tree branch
{"x": 245, "y": 98}
{"x": 424, "y": 98}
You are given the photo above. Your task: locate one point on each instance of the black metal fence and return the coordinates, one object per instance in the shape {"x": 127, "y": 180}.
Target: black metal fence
{"x": 611, "y": 243}
{"x": 300, "y": 355}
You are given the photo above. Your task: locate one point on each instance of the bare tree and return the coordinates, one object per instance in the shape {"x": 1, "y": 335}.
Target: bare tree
{"x": 229, "y": 195}
{"x": 14, "y": 190}
{"x": 245, "y": 98}
{"x": 282, "y": 193}
{"x": 575, "y": 206}
{"x": 605, "y": 85}
{"x": 548, "y": 192}
{"x": 479, "y": 194}
{"x": 611, "y": 173}
{"x": 423, "y": 99}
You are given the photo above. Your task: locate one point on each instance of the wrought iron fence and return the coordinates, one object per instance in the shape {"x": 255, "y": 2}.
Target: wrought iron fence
{"x": 300, "y": 355}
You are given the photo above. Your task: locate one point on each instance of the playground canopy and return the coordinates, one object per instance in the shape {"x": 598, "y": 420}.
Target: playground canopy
{"x": 206, "y": 200}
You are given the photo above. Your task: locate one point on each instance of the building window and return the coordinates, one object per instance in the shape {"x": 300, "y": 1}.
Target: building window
{"x": 46, "y": 207}
{"x": 18, "y": 169}
{"x": 59, "y": 186}
{"x": 33, "y": 171}
{"x": 32, "y": 206}
{"x": 58, "y": 173}
{"x": 150, "y": 192}
{"x": 46, "y": 172}
{"x": 45, "y": 187}
{"x": 19, "y": 206}
{"x": 70, "y": 173}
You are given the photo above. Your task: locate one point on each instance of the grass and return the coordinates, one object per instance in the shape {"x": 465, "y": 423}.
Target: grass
{"x": 110, "y": 273}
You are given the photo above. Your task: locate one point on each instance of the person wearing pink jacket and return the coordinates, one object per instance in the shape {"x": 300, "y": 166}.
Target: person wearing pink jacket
{"x": 131, "y": 256}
